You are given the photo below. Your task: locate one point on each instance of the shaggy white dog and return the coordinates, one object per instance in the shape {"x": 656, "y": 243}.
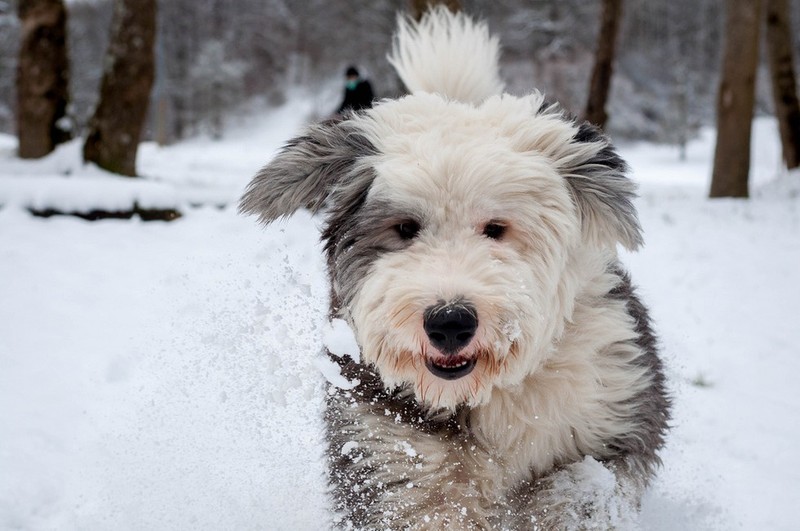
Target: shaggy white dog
{"x": 508, "y": 376}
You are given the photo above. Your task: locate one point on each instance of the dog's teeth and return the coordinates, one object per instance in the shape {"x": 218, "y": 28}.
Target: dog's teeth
{"x": 456, "y": 365}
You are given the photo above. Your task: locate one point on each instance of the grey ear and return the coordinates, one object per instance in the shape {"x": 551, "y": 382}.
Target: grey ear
{"x": 602, "y": 192}
{"x": 305, "y": 170}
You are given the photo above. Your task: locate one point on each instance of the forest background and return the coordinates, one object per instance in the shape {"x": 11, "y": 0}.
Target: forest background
{"x": 216, "y": 58}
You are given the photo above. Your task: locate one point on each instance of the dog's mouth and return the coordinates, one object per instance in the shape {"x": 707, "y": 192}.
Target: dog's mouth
{"x": 451, "y": 368}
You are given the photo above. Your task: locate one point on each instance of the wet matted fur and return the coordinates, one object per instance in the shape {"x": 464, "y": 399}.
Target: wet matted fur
{"x": 508, "y": 375}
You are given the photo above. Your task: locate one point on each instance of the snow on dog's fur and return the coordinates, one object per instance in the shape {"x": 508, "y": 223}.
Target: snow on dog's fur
{"x": 508, "y": 375}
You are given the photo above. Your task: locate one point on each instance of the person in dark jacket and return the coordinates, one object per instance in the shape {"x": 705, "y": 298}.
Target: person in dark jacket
{"x": 357, "y": 92}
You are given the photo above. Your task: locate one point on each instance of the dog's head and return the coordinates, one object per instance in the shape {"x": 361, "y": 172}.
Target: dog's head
{"x": 453, "y": 231}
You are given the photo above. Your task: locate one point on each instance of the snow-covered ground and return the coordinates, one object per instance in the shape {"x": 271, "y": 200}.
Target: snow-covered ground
{"x": 163, "y": 376}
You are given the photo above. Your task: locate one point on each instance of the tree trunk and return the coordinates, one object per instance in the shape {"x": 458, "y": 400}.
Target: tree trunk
{"x": 42, "y": 77}
{"x": 784, "y": 87}
{"x": 735, "y": 99}
{"x": 419, "y": 7}
{"x": 600, "y": 84}
{"x": 116, "y": 125}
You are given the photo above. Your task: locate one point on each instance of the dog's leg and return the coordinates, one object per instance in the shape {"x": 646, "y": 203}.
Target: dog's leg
{"x": 389, "y": 472}
{"x": 582, "y": 496}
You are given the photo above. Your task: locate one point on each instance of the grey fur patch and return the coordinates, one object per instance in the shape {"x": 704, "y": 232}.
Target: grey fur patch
{"x": 306, "y": 169}
{"x": 357, "y": 233}
{"x": 382, "y": 412}
{"x": 603, "y": 193}
{"x": 638, "y": 447}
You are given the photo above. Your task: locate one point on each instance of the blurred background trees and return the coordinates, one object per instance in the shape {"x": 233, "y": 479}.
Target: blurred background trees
{"x": 418, "y": 8}
{"x": 736, "y": 99}
{"x": 218, "y": 59}
{"x": 115, "y": 128}
{"x": 42, "y": 80}
{"x": 600, "y": 83}
{"x": 784, "y": 79}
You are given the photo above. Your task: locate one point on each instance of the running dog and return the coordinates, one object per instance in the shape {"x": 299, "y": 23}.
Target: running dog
{"x": 508, "y": 376}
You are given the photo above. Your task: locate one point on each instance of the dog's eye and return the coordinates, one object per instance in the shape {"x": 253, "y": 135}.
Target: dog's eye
{"x": 407, "y": 230}
{"x": 494, "y": 231}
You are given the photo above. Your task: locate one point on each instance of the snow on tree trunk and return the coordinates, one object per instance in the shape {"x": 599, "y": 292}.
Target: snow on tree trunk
{"x": 735, "y": 99}
{"x": 42, "y": 77}
{"x": 600, "y": 84}
{"x": 116, "y": 125}
{"x": 784, "y": 86}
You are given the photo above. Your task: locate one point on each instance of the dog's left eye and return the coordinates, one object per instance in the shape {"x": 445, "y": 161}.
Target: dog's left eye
{"x": 407, "y": 230}
{"x": 494, "y": 231}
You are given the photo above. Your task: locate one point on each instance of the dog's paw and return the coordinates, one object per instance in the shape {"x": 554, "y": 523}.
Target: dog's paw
{"x": 585, "y": 495}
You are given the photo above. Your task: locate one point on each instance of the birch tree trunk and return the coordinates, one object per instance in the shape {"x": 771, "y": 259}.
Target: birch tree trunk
{"x": 116, "y": 126}
{"x": 42, "y": 77}
{"x": 735, "y": 99}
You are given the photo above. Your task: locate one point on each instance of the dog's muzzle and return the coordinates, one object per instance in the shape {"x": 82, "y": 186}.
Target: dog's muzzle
{"x": 450, "y": 328}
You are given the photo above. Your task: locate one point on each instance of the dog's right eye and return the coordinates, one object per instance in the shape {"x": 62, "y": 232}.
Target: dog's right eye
{"x": 494, "y": 231}
{"x": 407, "y": 230}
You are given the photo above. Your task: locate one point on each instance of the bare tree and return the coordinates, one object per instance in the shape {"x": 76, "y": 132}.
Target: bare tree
{"x": 600, "y": 84}
{"x": 735, "y": 99}
{"x": 42, "y": 77}
{"x": 419, "y": 7}
{"x": 784, "y": 87}
{"x": 116, "y": 125}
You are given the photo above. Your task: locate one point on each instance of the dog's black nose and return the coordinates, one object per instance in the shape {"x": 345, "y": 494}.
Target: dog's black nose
{"x": 450, "y": 327}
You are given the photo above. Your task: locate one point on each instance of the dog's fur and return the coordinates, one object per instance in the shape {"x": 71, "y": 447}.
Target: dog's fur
{"x": 558, "y": 424}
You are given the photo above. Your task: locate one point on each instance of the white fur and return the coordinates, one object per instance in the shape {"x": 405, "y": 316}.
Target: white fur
{"x": 449, "y": 54}
{"x": 436, "y": 158}
{"x": 461, "y": 182}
